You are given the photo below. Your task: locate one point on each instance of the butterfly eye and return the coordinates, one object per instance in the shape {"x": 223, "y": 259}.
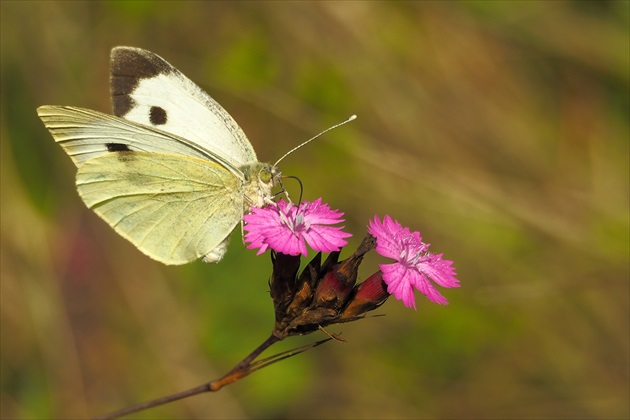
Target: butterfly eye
{"x": 269, "y": 175}
{"x": 265, "y": 175}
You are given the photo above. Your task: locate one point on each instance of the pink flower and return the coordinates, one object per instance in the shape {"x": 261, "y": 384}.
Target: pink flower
{"x": 286, "y": 228}
{"x": 415, "y": 266}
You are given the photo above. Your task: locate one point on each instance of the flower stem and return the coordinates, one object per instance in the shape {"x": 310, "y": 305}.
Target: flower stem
{"x": 242, "y": 369}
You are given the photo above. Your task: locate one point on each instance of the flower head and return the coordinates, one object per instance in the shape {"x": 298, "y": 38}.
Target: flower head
{"x": 286, "y": 228}
{"x": 324, "y": 293}
{"x": 415, "y": 266}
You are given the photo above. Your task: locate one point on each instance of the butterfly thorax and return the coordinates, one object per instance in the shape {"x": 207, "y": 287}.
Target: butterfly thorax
{"x": 260, "y": 178}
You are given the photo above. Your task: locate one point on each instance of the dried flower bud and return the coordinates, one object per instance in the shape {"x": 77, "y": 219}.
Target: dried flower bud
{"x": 282, "y": 283}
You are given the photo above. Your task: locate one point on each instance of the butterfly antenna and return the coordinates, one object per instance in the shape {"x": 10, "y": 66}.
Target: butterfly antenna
{"x": 353, "y": 117}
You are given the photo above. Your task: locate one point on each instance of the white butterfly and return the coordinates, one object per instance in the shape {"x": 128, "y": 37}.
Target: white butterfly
{"x": 171, "y": 172}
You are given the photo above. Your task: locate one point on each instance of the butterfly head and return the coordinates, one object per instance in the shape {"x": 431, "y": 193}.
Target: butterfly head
{"x": 260, "y": 178}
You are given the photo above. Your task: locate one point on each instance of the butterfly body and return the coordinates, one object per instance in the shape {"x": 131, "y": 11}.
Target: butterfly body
{"x": 170, "y": 171}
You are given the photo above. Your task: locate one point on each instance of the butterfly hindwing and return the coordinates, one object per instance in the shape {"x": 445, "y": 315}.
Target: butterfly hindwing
{"x": 146, "y": 89}
{"x": 175, "y": 209}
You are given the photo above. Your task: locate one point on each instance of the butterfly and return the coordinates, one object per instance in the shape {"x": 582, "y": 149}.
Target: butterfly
{"x": 171, "y": 171}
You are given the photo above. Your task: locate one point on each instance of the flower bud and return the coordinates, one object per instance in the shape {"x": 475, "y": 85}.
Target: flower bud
{"x": 332, "y": 290}
{"x": 368, "y": 296}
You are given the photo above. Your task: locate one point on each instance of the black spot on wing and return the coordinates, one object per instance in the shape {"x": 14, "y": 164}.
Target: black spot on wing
{"x": 123, "y": 152}
{"x": 128, "y": 67}
{"x": 157, "y": 115}
{"x": 117, "y": 147}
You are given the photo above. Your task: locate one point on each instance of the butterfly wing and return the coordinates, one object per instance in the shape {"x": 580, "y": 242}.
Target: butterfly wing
{"x": 175, "y": 209}
{"x": 85, "y": 134}
{"x": 146, "y": 89}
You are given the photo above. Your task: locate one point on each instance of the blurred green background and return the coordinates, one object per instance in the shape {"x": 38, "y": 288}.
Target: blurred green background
{"x": 500, "y": 130}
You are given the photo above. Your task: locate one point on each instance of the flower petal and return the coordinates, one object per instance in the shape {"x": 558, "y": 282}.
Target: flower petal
{"x": 386, "y": 235}
{"x": 398, "y": 284}
{"x": 440, "y": 271}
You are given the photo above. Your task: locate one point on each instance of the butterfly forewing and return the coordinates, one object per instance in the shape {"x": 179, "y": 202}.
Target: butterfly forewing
{"x": 85, "y": 134}
{"x": 147, "y": 89}
{"x": 175, "y": 209}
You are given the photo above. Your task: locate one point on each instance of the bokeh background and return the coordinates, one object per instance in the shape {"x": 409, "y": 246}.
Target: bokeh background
{"x": 500, "y": 130}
